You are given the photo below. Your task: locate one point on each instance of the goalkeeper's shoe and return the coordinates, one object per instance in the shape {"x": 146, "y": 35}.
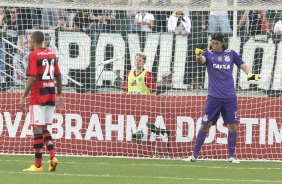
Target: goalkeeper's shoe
{"x": 191, "y": 159}
{"x": 233, "y": 160}
{"x": 33, "y": 168}
{"x": 53, "y": 163}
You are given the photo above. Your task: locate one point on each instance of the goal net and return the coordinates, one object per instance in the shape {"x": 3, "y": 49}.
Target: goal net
{"x": 96, "y": 42}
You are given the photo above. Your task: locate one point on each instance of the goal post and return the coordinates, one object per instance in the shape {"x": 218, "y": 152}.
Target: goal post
{"x": 96, "y": 42}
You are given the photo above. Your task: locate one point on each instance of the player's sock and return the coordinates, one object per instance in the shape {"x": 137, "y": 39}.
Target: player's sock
{"x": 199, "y": 142}
{"x": 48, "y": 143}
{"x": 38, "y": 146}
{"x": 231, "y": 143}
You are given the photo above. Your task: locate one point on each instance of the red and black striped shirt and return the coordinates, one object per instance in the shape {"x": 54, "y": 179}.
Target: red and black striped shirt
{"x": 43, "y": 64}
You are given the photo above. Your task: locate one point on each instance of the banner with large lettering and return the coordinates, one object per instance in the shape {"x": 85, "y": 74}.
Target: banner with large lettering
{"x": 80, "y": 52}
{"x": 103, "y": 125}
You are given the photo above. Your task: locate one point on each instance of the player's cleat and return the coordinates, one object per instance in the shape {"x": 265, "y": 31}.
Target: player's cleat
{"x": 53, "y": 163}
{"x": 32, "y": 168}
{"x": 233, "y": 160}
{"x": 191, "y": 159}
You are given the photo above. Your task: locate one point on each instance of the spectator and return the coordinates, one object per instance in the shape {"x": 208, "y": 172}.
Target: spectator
{"x": 81, "y": 21}
{"x": 218, "y": 20}
{"x": 2, "y": 19}
{"x": 104, "y": 20}
{"x": 144, "y": 21}
{"x": 50, "y": 15}
{"x": 62, "y": 26}
{"x": 130, "y": 17}
{"x": 270, "y": 16}
{"x": 47, "y": 43}
{"x": 139, "y": 80}
{"x": 270, "y": 20}
{"x": 257, "y": 22}
{"x": 14, "y": 25}
{"x": 14, "y": 28}
{"x": 278, "y": 28}
{"x": 179, "y": 24}
{"x": 165, "y": 83}
{"x": 203, "y": 15}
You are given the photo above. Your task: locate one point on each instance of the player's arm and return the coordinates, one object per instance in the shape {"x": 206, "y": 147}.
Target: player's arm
{"x": 199, "y": 57}
{"x": 59, "y": 98}
{"x": 249, "y": 73}
{"x": 31, "y": 73}
{"x": 30, "y": 82}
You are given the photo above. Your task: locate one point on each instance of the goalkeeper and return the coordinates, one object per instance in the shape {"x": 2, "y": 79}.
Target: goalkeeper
{"x": 221, "y": 92}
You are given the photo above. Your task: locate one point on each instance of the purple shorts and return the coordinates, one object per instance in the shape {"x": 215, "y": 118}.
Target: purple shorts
{"x": 214, "y": 106}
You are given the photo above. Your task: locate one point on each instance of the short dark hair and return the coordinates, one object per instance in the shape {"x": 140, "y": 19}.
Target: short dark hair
{"x": 46, "y": 35}
{"x": 218, "y": 36}
{"x": 38, "y": 36}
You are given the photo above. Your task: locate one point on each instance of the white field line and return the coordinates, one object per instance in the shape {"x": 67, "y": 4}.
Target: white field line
{"x": 142, "y": 177}
{"x": 185, "y": 164}
{"x": 144, "y": 158}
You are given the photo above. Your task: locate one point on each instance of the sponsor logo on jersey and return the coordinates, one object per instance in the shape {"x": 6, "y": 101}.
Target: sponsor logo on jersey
{"x": 219, "y": 58}
{"x": 49, "y": 84}
{"x": 134, "y": 83}
{"x": 221, "y": 66}
{"x": 227, "y": 58}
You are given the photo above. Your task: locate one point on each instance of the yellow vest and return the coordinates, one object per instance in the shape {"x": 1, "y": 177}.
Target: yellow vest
{"x": 137, "y": 84}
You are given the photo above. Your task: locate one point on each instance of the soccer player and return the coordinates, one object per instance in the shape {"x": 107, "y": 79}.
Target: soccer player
{"x": 43, "y": 75}
{"x": 139, "y": 80}
{"x": 221, "y": 92}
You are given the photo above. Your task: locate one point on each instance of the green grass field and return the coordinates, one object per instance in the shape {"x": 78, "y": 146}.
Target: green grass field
{"x": 84, "y": 170}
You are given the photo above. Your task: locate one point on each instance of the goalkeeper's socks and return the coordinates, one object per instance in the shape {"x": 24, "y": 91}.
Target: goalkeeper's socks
{"x": 48, "y": 143}
{"x": 231, "y": 143}
{"x": 38, "y": 146}
{"x": 199, "y": 142}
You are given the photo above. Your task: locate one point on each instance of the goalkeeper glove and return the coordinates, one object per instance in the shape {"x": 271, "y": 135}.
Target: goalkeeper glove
{"x": 198, "y": 51}
{"x": 253, "y": 77}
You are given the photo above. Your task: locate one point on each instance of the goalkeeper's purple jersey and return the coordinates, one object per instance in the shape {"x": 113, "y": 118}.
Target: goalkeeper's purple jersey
{"x": 220, "y": 68}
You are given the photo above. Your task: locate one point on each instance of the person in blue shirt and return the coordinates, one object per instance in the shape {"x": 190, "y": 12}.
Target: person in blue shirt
{"x": 221, "y": 92}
